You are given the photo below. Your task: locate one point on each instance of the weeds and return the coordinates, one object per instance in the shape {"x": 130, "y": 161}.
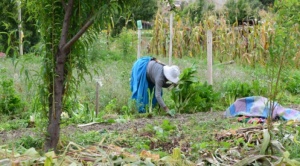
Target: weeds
{"x": 10, "y": 100}
{"x": 190, "y": 95}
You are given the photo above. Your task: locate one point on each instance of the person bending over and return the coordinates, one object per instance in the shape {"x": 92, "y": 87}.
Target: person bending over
{"x": 149, "y": 73}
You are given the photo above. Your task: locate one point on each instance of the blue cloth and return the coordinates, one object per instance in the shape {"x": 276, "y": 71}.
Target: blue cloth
{"x": 139, "y": 85}
{"x": 258, "y": 106}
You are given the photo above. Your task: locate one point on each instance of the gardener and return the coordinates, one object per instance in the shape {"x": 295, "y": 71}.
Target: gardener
{"x": 149, "y": 73}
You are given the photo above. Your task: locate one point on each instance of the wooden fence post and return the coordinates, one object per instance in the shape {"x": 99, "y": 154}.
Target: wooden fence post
{"x": 98, "y": 84}
{"x": 140, "y": 27}
{"x": 209, "y": 58}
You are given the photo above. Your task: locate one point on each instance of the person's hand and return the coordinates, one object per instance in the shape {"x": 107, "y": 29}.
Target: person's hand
{"x": 166, "y": 109}
{"x": 171, "y": 113}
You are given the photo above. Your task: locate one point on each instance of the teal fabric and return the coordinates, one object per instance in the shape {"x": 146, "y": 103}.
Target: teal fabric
{"x": 139, "y": 84}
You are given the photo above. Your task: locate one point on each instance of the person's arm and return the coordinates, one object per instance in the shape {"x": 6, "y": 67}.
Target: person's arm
{"x": 158, "y": 91}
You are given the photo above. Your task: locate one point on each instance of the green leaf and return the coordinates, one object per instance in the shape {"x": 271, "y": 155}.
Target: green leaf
{"x": 48, "y": 161}
{"x": 266, "y": 142}
{"x": 32, "y": 153}
{"x": 251, "y": 159}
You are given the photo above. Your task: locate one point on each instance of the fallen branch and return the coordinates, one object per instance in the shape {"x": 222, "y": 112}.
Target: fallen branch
{"x": 88, "y": 124}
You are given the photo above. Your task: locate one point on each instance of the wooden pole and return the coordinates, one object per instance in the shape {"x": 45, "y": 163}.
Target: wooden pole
{"x": 97, "y": 99}
{"x": 171, "y": 37}
{"x": 20, "y": 28}
{"x": 139, "y": 44}
{"x": 98, "y": 85}
{"x": 209, "y": 57}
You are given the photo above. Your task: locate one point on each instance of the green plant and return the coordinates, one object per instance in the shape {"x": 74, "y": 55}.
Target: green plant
{"x": 127, "y": 42}
{"x": 111, "y": 106}
{"x": 29, "y": 142}
{"x": 88, "y": 137}
{"x": 150, "y": 97}
{"x": 242, "y": 10}
{"x": 10, "y": 101}
{"x": 192, "y": 96}
{"x": 14, "y": 125}
{"x": 233, "y": 89}
{"x": 291, "y": 81}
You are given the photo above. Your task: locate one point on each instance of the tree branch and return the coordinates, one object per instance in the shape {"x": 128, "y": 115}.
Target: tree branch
{"x": 79, "y": 34}
{"x": 66, "y": 23}
{"x": 64, "y": 4}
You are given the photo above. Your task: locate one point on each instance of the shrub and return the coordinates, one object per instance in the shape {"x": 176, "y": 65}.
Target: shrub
{"x": 127, "y": 42}
{"x": 10, "y": 101}
{"x": 192, "y": 96}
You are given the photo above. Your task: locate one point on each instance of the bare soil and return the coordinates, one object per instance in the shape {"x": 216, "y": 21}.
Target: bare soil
{"x": 182, "y": 119}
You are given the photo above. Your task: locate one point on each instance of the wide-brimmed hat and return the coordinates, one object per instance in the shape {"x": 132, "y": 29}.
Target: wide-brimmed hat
{"x": 172, "y": 73}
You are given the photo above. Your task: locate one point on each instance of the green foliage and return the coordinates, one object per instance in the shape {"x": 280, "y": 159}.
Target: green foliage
{"x": 195, "y": 11}
{"x": 111, "y": 106}
{"x": 8, "y": 27}
{"x": 237, "y": 89}
{"x": 242, "y": 10}
{"x": 31, "y": 142}
{"x": 167, "y": 126}
{"x": 88, "y": 138}
{"x": 192, "y": 96}
{"x": 267, "y": 2}
{"x": 287, "y": 11}
{"x": 142, "y": 10}
{"x": 292, "y": 144}
{"x": 9, "y": 37}
{"x": 127, "y": 42}
{"x": 10, "y": 101}
{"x": 13, "y": 125}
{"x": 292, "y": 82}
{"x": 104, "y": 43}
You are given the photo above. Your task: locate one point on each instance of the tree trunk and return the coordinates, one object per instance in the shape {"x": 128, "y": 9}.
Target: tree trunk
{"x": 56, "y": 87}
{"x": 55, "y": 103}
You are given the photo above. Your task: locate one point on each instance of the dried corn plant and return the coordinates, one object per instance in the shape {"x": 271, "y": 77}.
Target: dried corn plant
{"x": 248, "y": 45}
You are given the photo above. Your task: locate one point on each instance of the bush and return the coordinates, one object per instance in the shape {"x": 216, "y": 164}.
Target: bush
{"x": 127, "y": 42}
{"x": 10, "y": 101}
{"x": 192, "y": 96}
